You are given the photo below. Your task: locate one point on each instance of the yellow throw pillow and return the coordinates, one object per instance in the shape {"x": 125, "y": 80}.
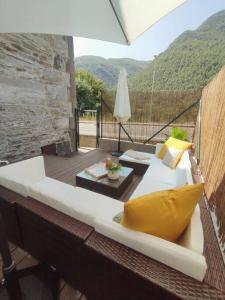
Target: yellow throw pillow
{"x": 174, "y": 143}
{"x": 164, "y": 214}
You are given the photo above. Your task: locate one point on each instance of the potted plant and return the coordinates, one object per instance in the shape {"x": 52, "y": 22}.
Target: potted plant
{"x": 113, "y": 169}
{"x": 179, "y": 134}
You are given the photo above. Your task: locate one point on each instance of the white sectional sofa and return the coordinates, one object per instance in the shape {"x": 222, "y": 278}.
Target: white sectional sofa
{"x": 28, "y": 179}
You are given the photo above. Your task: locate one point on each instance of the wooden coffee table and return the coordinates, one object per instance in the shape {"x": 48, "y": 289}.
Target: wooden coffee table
{"x": 106, "y": 186}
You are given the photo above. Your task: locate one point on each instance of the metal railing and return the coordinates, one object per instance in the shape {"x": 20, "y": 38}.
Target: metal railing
{"x": 146, "y": 131}
{"x": 87, "y": 116}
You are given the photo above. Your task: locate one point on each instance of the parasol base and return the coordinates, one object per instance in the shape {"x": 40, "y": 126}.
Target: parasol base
{"x": 117, "y": 153}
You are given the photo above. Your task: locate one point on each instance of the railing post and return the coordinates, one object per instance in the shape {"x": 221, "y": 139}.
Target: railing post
{"x": 101, "y": 119}
{"x": 97, "y": 127}
{"x": 129, "y": 137}
{"x": 76, "y": 113}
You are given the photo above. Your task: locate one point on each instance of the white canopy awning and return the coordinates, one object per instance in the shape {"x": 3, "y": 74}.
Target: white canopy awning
{"x": 119, "y": 21}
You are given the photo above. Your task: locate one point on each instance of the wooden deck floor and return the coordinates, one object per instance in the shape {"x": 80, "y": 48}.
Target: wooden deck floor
{"x": 65, "y": 169}
{"x": 24, "y": 260}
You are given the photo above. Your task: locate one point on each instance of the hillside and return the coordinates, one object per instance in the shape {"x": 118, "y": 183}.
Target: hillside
{"x": 108, "y": 69}
{"x": 190, "y": 61}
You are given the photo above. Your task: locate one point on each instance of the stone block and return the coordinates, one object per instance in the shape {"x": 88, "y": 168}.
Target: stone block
{"x": 35, "y": 107}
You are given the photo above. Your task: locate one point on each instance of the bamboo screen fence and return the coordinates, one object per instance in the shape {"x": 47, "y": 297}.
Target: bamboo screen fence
{"x": 212, "y": 148}
{"x": 147, "y": 119}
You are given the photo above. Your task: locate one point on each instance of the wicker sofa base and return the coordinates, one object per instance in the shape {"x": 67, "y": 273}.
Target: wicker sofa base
{"x": 127, "y": 274}
{"x": 52, "y": 237}
{"x": 10, "y": 216}
{"x": 100, "y": 268}
{"x": 47, "y": 234}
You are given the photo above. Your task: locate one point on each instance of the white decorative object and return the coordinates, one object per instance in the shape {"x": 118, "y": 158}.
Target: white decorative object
{"x": 114, "y": 175}
{"x": 171, "y": 157}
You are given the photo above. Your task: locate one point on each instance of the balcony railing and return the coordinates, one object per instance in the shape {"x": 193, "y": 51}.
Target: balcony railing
{"x": 152, "y": 123}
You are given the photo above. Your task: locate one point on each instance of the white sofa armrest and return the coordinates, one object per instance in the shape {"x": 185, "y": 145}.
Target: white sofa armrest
{"x": 18, "y": 176}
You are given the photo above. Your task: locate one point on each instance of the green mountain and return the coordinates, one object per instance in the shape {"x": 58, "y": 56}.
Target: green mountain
{"x": 190, "y": 61}
{"x": 108, "y": 69}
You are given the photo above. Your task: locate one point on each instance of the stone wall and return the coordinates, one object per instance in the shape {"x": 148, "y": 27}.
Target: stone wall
{"x": 35, "y": 101}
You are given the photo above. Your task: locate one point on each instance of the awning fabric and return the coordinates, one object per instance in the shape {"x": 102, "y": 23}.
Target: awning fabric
{"x": 119, "y": 21}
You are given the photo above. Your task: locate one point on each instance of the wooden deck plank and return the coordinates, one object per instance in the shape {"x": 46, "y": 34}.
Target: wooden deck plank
{"x": 24, "y": 260}
{"x": 68, "y": 293}
{"x": 11, "y": 247}
{"x": 64, "y": 168}
{"x": 17, "y": 256}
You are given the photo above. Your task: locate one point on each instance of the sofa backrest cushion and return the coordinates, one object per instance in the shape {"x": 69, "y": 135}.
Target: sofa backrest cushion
{"x": 181, "y": 177}
{"x": 193, "y": 237}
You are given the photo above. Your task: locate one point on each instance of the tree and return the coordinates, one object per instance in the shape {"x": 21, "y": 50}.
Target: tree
{"x": 89, "y": 90}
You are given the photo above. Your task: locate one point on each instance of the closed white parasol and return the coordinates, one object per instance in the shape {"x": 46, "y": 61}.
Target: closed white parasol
{"x": 122, "y": 104}
{"x": 122, "y": 110}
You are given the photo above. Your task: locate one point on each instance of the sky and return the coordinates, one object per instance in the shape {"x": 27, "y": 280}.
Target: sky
{"x": 155, "y": 40}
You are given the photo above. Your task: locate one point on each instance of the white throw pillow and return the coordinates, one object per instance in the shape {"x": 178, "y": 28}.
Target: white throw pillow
{"x": 158, "y": 148}
{"x": 171, "y": 157}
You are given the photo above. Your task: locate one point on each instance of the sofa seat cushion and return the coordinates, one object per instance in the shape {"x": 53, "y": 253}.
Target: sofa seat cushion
{"x": 79, "y": 203}
{"x": 178, "y": 257}
{"x": 159, "y": 177}
{"x": 163, "y": 173}
{"x": 19, "y": 175}
{"x": 147, "y": 186}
